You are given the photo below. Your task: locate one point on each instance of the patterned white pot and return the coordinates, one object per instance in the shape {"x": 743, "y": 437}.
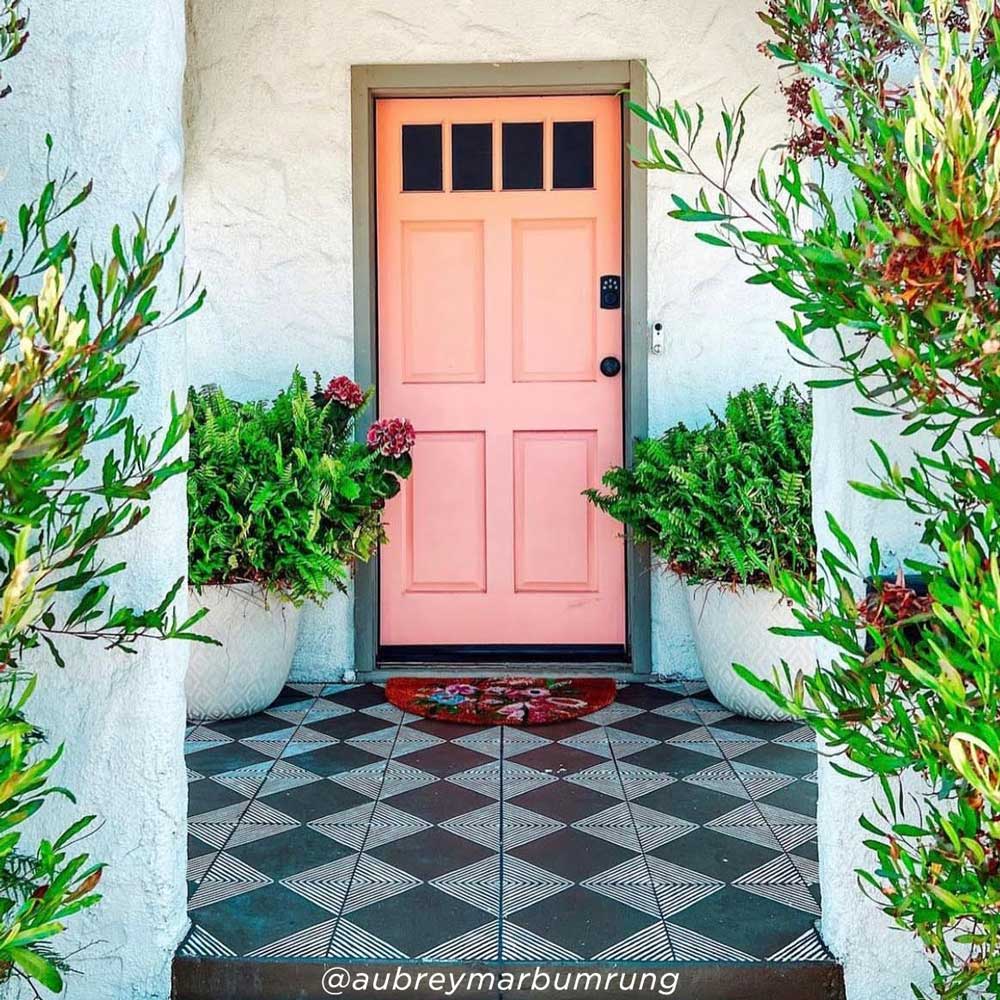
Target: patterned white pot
{"x": 247, "y": 672}
{"x": 731, "y": 625}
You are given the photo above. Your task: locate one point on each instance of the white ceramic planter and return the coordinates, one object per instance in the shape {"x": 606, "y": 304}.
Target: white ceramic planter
{"x": 731, "y": 625}
{"x": 247, "y": 672}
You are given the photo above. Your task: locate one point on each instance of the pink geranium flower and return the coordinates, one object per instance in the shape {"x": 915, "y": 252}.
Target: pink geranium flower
{"x": 392, "y": 436}
{"x": 345, "y": 391}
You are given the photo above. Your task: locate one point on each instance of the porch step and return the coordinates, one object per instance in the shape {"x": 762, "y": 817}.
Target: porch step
{"x": 303, "y": 979}
{"x": 661, "y": 835}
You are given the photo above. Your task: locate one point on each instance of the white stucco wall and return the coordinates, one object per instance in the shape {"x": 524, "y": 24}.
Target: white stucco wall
{"x": 268, "y": 200}
{"x": 106, "y": 81}
{"x": 880, "y": 961}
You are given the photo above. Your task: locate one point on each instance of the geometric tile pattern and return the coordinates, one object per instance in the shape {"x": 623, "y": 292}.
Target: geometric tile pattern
{"x": 660, "y": 828}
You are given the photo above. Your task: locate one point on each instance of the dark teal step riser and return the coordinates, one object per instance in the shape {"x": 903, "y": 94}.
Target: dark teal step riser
{"x": 243, "y": 979}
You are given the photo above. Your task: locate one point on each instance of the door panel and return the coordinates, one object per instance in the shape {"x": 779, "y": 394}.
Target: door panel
{"x": 555, "y": 547}
{"x": 554, "y": 277}
{"x": 445, "y": 532}
{"x": 442, "y": 312}
{"x": 492, "y": 239}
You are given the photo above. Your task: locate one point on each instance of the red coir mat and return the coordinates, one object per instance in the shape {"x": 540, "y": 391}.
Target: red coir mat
{"x": 501, "y": 701}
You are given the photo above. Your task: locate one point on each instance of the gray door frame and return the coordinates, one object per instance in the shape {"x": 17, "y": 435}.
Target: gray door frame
{"x": 508, "y": 80}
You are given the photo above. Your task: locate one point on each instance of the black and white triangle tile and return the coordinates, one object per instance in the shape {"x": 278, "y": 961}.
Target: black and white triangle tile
{"x": 219, "y": 827}
{"x": 801, "y": 738}
{"x": 629, "y": 883}
{"x": 520, "y": 945}
{"x": 655, "y": 828}
{"x": 518, "y": 779}
{"x": 201, "y": 737}
{"x": 389, "y": 713}
{"x": 623, "y": 780}
{"x": 481, "y": 944}
{"x": 780, "y": 880}
{"x": 524, "y": 884}
{"x": 308, "y": 710}
{"x": 327, "y": 885}
{"x": 678, "y": 888}
{"x": 807, "y": 947}
{"x": 368, "y": 826}
{"x": 517, "y": 827}
{"x": 695, "y": 710}
{"x": 372, "y": 880}
{"x": 351, "y": 941}
{"x": 691, "y": 946}
{"x": 742, "y": 780}
{"x": 383, "y": 779}
{"x": 477, "y": 884}
{"x": 201, "y": 944}
{"x": 500, "y": 741}
{"x": 394, "y": 741}
{"x": 614, "y": 824}
{"x": 309, "y": 942}
{"x": 607, "y": 741}
{"x": 613, "y": 713}
{"x": 715, "y": 742}
{"x": 484, "y": 779}
{"x": 226, "y": 877}
{"x": 265, "y": 778}
{"x": 661, "y": 828}
{"x": 651, "y": 944}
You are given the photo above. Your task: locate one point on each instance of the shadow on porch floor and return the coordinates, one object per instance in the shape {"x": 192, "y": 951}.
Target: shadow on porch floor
{"x": 661, "y": 829}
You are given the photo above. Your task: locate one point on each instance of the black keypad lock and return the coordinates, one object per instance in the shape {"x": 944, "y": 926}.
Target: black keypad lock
{"x": 611, "y": 291}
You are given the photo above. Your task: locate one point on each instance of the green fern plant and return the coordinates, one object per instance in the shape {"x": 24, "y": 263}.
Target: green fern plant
{"x": 280, "y": 494}
{"x": 728, "y": 501}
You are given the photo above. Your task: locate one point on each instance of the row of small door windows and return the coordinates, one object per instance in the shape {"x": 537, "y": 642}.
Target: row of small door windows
{"x": 522, "y": 156}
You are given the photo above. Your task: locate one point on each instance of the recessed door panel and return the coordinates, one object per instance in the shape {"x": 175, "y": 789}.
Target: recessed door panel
{"x": 555, "y": 325}
{"x": 555, "y": 546}
{"x": 497, "y": 219}
{"x": 445, "y": 501}
{"x": 442, "y": 301}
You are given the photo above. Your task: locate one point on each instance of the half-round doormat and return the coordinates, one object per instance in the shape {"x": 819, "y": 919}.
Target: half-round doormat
{"x": 500, "y": 701}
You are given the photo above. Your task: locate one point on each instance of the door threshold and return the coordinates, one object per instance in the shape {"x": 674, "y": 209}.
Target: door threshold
{"x": 569, "y": 660}
{"x": 616, "y": 671}
{"x": 574, "y": 654}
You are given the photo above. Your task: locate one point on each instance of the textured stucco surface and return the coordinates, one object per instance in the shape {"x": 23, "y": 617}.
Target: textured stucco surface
{"x": 268, "y": 200}
{"x": 106, "y": 81}
{"x": 879, "y": 960}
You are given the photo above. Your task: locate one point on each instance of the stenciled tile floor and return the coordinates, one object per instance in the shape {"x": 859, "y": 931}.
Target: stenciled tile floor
{"x": 661, "y": 828}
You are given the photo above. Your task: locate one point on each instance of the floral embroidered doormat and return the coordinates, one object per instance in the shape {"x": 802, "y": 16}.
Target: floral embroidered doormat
{"x": 503, "y": 701}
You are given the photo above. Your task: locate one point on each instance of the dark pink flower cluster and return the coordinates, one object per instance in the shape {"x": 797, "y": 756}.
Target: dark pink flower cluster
{"x": 392, "y": 436}
{"x": 345, "y": 391}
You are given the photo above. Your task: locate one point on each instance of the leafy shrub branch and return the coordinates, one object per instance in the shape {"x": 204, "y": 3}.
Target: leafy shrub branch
{"x": 728, "y": 501}
{"x": 281, "y": 495}
{"x": 75, "y": 471}
{"x": 900, "y": 98}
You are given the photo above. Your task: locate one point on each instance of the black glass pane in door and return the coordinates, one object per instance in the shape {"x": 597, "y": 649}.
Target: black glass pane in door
{"x": 573, "y": 154}
{"x": 522, "y": 156}
{"x": 472, "y": 157}
{"x": 421, "y": 157}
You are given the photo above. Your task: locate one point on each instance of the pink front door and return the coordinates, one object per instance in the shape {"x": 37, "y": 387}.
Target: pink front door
{"x": 498, "y": 220}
